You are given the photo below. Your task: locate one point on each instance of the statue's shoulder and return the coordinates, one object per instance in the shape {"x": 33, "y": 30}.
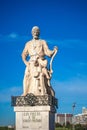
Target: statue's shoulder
{"x": 28, "y": 43}
{"x": 42, "y": 41}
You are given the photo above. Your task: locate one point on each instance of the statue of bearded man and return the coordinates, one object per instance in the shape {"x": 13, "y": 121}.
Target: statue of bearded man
{"x": 37, "y": 76}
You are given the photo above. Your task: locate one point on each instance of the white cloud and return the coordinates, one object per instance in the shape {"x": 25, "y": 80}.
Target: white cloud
{"x": 72, "y": 86}
{"x": 12, "y": 37}
{"x": 84, "y": 64}
{"x": 69, "y": 43}
{"x": 5, "y": 94}
{"x": 69, "y": 91}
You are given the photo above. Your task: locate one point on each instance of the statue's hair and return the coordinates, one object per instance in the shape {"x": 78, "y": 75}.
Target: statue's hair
{"x": 36, "y": 28}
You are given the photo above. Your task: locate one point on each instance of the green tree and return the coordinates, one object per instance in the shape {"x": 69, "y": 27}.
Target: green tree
{"x": 58, "y": 125}
{"x": 79, "y": 127}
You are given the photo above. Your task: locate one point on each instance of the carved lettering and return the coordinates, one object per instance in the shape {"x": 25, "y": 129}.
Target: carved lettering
{"x": 30, "y": 117}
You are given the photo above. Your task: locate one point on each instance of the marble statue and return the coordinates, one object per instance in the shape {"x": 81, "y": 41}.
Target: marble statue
{"x": 37, "y": 76}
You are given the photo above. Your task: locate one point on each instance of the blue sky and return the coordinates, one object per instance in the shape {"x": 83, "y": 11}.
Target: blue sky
{"x": 63, "y": 23}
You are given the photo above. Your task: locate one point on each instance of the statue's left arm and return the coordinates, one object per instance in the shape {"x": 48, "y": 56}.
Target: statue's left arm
{"x": 47, "y": 51}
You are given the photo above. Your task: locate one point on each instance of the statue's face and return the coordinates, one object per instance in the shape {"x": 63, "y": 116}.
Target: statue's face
{"x": 35, "y": 33}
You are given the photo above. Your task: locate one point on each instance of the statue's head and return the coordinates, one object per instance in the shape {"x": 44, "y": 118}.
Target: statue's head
{"x": 35, "y": 32}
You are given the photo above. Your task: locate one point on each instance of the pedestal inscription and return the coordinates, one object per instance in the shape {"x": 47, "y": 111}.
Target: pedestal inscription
{"x": 34, "y": 118}
{"x": 31, "y": 119}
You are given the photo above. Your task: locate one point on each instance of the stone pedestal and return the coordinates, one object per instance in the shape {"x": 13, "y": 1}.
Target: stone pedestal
{"x": 35, "y": 117}
{"x": 35, "y": 112}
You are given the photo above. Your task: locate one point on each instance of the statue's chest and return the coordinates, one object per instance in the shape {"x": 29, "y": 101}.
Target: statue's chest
{"x": 36, "y": 46}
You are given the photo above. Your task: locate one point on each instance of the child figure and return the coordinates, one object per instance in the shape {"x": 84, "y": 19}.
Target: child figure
{"x": 41, "y": 66}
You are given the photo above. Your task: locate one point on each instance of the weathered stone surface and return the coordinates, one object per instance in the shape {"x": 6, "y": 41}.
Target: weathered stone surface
{"x": 35, "y": 118}
{"x": 37, "y": 75}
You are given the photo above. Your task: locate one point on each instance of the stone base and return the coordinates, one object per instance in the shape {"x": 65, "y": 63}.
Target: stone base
{"x": 35, "y": 118}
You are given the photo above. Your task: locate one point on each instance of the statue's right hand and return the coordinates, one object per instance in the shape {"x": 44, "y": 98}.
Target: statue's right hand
{"x": 55, "y": 48}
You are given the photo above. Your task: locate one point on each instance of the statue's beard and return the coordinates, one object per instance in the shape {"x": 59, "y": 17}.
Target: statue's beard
{"x": 36, "y": 37}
